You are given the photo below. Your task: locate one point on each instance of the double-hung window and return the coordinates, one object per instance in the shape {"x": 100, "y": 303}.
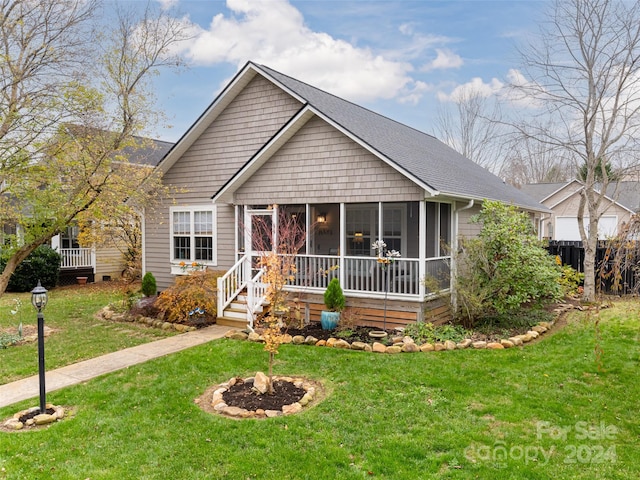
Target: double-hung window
{"x": 193, "y": 235}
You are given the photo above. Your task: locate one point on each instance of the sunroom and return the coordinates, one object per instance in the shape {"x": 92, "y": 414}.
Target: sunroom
{"x": 338, "y": 242}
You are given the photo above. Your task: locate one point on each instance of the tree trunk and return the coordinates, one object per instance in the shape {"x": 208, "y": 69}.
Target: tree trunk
{"x": 13, "y": 262}
{"x": 590, "y": 246}
{"x": 271, "y": 359}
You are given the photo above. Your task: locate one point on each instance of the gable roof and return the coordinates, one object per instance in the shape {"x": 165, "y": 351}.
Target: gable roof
{"x": 542, "y": 191}
{"x": 439, "y": 169}
{"x": 625, "y": 194}
{"x": 149, "y": 151}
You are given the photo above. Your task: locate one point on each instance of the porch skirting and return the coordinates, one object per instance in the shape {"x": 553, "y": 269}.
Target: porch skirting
{"x": 370, "y": 312}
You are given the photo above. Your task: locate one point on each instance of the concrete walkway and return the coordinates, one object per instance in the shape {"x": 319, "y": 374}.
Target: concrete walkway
{"x": 26, "y": 388}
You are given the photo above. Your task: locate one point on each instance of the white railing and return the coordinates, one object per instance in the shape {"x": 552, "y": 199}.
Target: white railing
{"x": 232, "y": 282}
{"x": 256, "y": 295}
{"x": 438, "y": 270}
{"x": 359, "y": 274}
{"x": 365, "y": 274}
{"x": 75, "y": 257}
{"x": 315, "y": 271}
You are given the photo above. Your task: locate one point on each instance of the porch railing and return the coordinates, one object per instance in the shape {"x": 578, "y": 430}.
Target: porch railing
{"x": 256, "y": 295}
{"x": 232, "y": 283}
{"x": 75, "y": 257}
{"x": 360, "y": 274}
{"x": 237, "y": 279}
{"x": 438, "y": 274}
{"x": 365, "y": 274}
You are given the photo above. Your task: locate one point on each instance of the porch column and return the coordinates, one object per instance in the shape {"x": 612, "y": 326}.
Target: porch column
{"x": 55, "y": 242}
{"x": 307, "y": 228}
{"x": 422, "y": 248}
{"x": 248, "y": 245}
{"x": 343, "y": 241}
{"x": 236, "y": 217}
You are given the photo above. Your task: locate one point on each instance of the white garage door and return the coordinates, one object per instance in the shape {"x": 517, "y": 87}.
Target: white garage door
{"x": 567, "y": 227}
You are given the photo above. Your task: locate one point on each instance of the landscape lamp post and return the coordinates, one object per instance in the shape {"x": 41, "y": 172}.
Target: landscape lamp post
{"x": 39, "y": 300}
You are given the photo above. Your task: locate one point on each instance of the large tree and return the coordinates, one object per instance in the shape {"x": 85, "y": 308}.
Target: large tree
{"x": 470, "y": 123}
{"x": 529, "y": 161}
{"x": 72, "y": 100}
{"x": 582, "y": 81}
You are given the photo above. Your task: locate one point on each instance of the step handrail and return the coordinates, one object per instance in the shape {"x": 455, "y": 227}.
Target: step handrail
{"x": 233, "y": 282}
{"x": 256, "y": 295}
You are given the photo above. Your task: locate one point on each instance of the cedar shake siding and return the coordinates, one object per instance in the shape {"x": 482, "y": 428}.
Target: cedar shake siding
{"x": 319, "y": 164}
{"x": 249, "y": 121}
{"x": 269, "y": 139}
{"x": 466, "y": 229}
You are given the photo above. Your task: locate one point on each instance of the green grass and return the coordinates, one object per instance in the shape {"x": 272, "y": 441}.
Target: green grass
{"x": 436, "y": 415}
{"x": 78, "y": 334}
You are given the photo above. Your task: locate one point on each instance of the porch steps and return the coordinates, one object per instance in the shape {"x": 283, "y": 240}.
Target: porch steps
{"x": 235, "y": 315}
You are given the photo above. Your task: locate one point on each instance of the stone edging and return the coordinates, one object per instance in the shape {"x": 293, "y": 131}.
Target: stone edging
{"x": 14, "y": 422}
{"x": 404, "y": 344}
{"x": 107, "y": 313}
{"x": 217, "y": 402}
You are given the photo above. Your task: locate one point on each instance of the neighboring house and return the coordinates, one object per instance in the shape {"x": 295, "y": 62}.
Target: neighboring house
{"x": 270, "y": 143}
{"x": 102, "y": 262}
{"x": 621, "y": 201}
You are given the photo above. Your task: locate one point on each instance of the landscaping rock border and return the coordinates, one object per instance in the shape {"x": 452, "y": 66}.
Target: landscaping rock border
{"x": 42, "y": 419}
{"x": 107, "y": 313}
{"x": 405, "y": 344}
{"x": 213, "y": 402}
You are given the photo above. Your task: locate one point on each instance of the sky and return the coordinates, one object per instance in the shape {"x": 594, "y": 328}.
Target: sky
{"x": 403, "y": 59}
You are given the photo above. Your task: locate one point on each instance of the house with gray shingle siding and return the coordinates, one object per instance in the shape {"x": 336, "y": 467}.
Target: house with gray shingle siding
{"x": 621, "y": 201}
{"x": 107, "y": 260}
{"x": 271, "y": 146}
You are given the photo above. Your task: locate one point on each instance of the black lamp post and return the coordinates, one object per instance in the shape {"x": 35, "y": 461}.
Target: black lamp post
{"x": 39, "y": 300}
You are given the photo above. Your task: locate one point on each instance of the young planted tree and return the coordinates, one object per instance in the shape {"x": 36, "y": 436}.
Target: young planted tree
{"x": 71, "y": 102}
{"x": 278, "y": 245}
{"x": 582, "y": 82}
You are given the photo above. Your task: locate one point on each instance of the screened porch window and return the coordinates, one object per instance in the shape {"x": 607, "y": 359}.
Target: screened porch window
{"x": 362, "y": 231}
{"x": 438, "y": 229}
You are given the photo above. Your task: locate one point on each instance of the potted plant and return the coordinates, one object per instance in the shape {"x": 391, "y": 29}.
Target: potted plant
{"x": 334, "y": 301}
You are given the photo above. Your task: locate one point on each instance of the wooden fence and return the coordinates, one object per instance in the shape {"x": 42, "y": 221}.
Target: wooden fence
{"x": 572, "y": 253}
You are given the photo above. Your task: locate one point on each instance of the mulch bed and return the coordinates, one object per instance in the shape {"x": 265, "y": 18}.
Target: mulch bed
{"x": 354, "y": 334}
{"x": 241, "y": 395}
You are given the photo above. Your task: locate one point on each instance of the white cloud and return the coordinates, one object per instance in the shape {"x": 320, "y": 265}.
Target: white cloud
{"x": 274, "y": 33}
{"x": 445, "y": 59}
{"x": 406, "y": 28}
{"x": 167, "y": 4}
{"x": 476, "y": 85}
{"x": 413, "y": 95}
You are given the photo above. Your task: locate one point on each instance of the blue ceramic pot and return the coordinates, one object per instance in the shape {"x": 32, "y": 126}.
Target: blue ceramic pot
{"x": 329, "y": 320}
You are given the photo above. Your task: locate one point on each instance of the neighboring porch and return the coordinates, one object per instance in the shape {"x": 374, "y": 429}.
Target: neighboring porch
{"x": 76, "y": 261}
{"x": 338, "y": 243}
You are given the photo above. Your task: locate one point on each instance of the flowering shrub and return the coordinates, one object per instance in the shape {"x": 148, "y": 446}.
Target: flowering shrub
{"x": 193, "y": 295}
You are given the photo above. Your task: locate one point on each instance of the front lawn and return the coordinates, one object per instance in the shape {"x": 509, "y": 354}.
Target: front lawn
{"x": 543, "y": 411}
{"x": 77, "y": 335}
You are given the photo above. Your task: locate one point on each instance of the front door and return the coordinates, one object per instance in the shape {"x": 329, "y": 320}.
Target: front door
{"x": 259, "y": 233}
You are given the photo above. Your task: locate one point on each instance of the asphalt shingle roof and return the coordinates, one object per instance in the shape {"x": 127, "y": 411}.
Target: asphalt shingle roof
{"x": 540, "y": 191}
{"x": 625, "y": 193}
{"x": 150, "y": 153}
{"x": 419, "y": 154}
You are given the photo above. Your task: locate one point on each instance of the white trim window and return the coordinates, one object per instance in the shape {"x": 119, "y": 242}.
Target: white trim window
{"x": 193, "y": 236}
